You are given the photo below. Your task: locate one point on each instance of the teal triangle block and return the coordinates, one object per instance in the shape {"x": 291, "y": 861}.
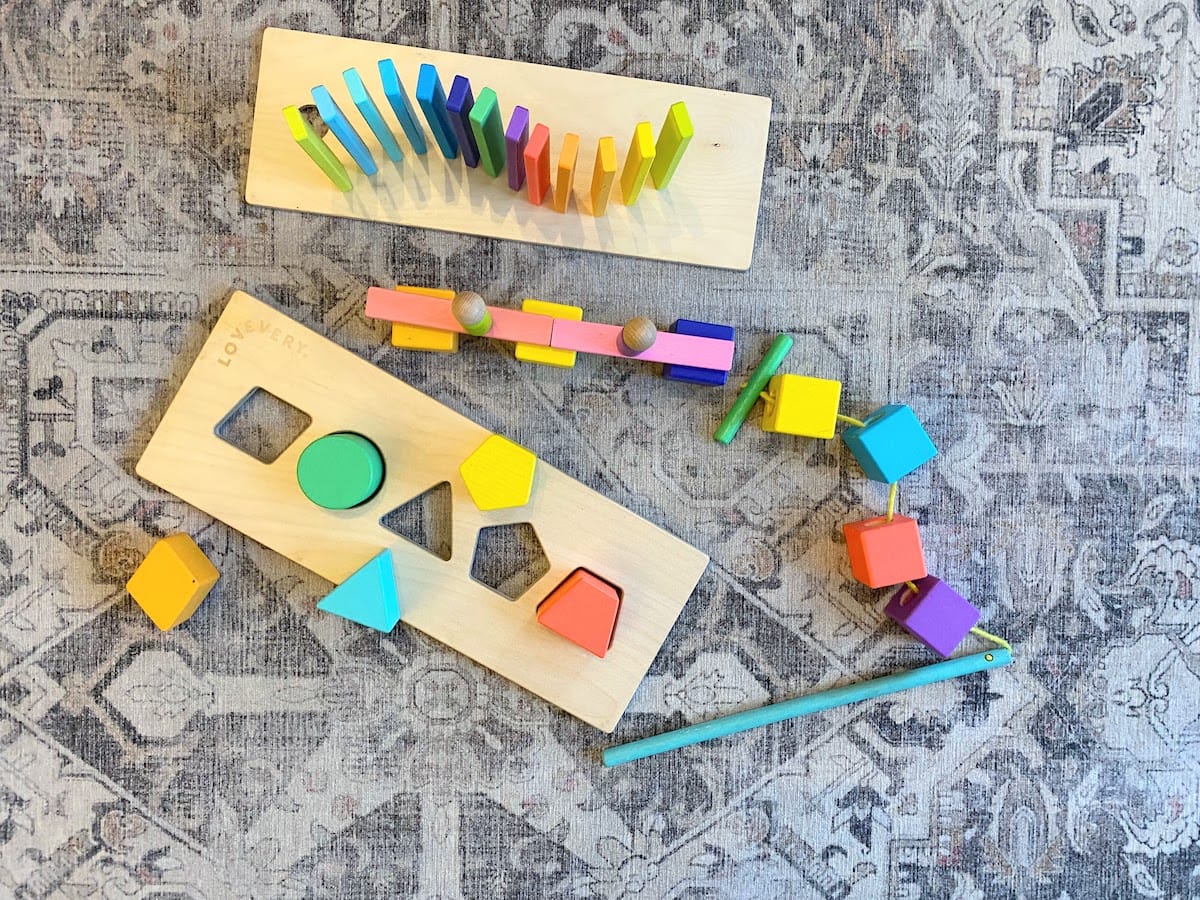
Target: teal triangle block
{"x": 367, "y": 597}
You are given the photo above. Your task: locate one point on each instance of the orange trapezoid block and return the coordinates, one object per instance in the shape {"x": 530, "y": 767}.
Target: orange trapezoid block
{"x": 583, "y": 609}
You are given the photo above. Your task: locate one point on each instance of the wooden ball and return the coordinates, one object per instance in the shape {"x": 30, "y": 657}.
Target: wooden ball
{"x": 469, "y": 308}
{"x": 639, "y": 334}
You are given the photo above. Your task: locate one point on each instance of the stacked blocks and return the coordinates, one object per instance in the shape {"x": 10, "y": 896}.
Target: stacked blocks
{"x": 890, "y": 444}
{"x": 418, "y": 337}
{"x": 499, "y": 474}
{"x": 695, "y": 374}
{"x": 367, "y": 597}
{"x": 172, "y": 581}
{"x": 798, "y": 404}
{"x": 583, "y": 609}
{"x": 884, "y": 553}
{"x": 936, "y": 615}
{"x": 548, "y": 356}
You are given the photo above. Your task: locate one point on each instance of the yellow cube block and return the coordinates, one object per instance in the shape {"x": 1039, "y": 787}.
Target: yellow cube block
{"x": 172, "y": 581}
{"x": 417, "y": 337}
{"x": 549, "y": 356}
{"x": 798, "y": 404}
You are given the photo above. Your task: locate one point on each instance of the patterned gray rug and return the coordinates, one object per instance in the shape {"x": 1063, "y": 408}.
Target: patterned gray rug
{"x": 988, "y": 211}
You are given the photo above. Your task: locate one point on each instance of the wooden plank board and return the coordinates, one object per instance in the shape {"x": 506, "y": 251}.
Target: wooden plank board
{"x": 423, "y": 443}
{"x": 707, "y": 216}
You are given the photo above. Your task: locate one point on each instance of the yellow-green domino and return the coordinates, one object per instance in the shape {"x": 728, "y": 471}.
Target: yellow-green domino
{"x": 637, "y": 163}
{"x": 674, "y": 138}
{"x": 311, "y": 143}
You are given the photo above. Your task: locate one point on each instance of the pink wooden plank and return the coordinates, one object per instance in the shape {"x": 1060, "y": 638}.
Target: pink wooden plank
{"x": 683, "y": 349}
{"x": 434, "y": 312}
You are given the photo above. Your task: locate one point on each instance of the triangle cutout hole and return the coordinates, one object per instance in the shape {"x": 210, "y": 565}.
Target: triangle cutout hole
{"x": 425, "y": 520}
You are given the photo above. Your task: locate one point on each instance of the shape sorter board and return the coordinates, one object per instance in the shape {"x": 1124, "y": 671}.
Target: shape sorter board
{"x": 706, "y": 216}
{"x": 422, "y": 442}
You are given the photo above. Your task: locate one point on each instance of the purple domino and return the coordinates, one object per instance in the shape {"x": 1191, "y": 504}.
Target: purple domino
{"x": 515, "y": 139}
{"x": 936, "y": 615}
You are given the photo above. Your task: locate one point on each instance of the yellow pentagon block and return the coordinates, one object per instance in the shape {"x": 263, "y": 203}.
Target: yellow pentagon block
{"x": 499, "y": 474}
{"x": 172, "y": 581}
{"x": 549, "y": 356}
{"x": 798, "y": 404}
{"x": 417, "y": 337}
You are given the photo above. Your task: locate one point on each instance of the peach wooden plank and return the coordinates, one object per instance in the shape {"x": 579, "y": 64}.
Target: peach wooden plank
{"x": 434, "y": 312}
{"x": 681, "y": 349}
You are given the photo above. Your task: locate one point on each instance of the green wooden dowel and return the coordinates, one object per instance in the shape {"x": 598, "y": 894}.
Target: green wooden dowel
{"x": 758, "y": 381}
{"x": 803, "y": 706}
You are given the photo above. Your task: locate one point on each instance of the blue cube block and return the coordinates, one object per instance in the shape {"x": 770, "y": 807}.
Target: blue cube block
{"x": 694, "y": 374}
{"x": 890, "y": 444}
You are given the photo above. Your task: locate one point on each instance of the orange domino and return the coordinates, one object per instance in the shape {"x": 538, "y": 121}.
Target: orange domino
{"x": 435, "y": 312}
{"x": 567, "y": 158}
{"x": 668, "y": 347}
{"x": 537, "y": 164}
{"x": 603, "y": 174}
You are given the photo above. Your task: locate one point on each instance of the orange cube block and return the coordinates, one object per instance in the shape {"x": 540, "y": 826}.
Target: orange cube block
{"x": 884, "y": 553}
{"x": 172, "y": 581}
{"x": 583, "y": 609}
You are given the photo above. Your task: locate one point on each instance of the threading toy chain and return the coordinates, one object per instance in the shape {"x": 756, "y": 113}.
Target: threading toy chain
{"x": 857, "y": 423}
{"x": 987, "y": 635}
{"x": 891, "y": 507}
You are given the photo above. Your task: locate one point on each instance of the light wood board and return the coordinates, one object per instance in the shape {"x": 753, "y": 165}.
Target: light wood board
{"x": 423, "y": 443}
{"x": 706, "y": 216}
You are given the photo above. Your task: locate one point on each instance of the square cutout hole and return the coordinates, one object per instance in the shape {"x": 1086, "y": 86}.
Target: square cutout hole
{"x": 262, "y": 425}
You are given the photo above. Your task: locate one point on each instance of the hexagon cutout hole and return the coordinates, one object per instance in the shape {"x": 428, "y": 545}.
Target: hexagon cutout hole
{"x": 509, "y": 559}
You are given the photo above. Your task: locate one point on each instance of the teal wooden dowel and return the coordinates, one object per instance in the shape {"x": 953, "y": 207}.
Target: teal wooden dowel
{"x": 749, "y": 396}
{"x": 803, "y": 706}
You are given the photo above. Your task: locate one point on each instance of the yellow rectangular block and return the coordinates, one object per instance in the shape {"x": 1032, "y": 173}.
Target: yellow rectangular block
{"x": 416, "y": 337}
{"x": 549, "y": 356}
{"x": 637, "y": 163}
{"x": 172, "y": 581}
{"x": 566, "y": 171}
{"x": 603, "y": 174}
{"x": 674, "y": 138}
{"x": 798, "y": 404}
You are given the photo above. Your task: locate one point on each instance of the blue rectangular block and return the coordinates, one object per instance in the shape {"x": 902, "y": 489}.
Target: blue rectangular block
{"x": 370, "y": 113}
{"x": 695, "y": 374}
{"x": 333, "y": 116}
{"x": 432, "y": 100}
{"x": 891, "y": 443}
{"x": 458, "y": 105}
{"x": 397, "y": 97}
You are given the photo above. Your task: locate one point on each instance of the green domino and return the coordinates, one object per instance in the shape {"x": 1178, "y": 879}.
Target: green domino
{"x": 311, "y": 143}
{"x": 749, "y": 396}
{"x": 340, "y": 471}
{"x": 489, "y": 131}
{"x": 674, "y": 138}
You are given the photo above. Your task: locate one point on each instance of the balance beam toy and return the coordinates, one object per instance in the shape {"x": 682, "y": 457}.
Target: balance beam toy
{"x": 433, "y": 312}
{"x": 592, "y": 337}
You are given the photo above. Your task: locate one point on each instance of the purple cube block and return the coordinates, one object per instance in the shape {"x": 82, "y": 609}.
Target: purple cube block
{"x": 936, "y": 615}
{"x": 515, "y": 139}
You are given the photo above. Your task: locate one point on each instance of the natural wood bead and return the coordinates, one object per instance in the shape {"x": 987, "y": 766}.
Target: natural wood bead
{"x": 471, "y": 312}
{"x": 639, "y": 335}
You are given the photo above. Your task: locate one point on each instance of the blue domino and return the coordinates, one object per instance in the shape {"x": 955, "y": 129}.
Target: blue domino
{"x": 459, "y": 107}
{"x": 397, "y": 96}
{"x": 370, "y": 112}
{"x": 333, "y": 116}
{"x": 432, "y": 100}
{"x": 695, "y": 374}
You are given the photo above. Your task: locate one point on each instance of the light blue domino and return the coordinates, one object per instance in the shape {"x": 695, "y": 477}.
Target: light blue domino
{"x": 333, "y": 116}
{"x": 432, "y": 100}
{"x": 397, "y": 96}
{"x": 367, "y": 597}
{"x": 370, "y": 112}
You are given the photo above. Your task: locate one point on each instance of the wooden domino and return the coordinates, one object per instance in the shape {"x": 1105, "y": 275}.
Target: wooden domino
{"x": 422, "y": 442}
{"x": 604, "y": 172}
{"x": 565, "y": 180}
{"x": 537, "y": 164}
{"x": 318, "y": 151}
{"x": 637, "y": 163}
{"x": 397, "y": 97}
{"x": 707, "y": 216}
{"x": 516, "y": 137}
{"x": 486, "y": 126}
{"x": 370, "y": 112}
{"x": 333, "y": 116}
{"x": 459, "y": 104}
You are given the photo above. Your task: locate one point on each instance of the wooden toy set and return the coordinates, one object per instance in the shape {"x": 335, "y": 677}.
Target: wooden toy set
{"x": 551, "y": 334}
{"x": 701, "y": 208}
{"x": 613, "y": 577}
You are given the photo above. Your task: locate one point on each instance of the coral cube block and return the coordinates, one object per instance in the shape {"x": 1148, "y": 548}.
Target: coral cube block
{"x": 936, "y": 615}
{"x": 884, "y": 553}
{"x": 583, "y": 609}
{"x": 695, "y": 374}
{"x": 172, "y": 581}
{"x": 890, "y": 444}
{"x": 798, "y": 404}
